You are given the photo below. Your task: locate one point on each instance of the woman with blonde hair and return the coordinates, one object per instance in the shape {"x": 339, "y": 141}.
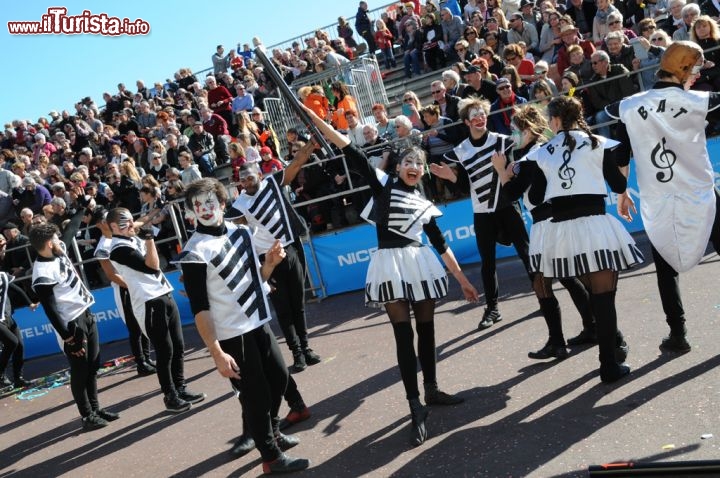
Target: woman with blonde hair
{"x": 411, "y": 108}
{"x": 705, "y": 32}
{"x": 384, "y": 41}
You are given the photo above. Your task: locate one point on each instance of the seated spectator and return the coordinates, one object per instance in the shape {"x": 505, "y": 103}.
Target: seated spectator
{"x": 463, "y": 52}
{"x": 451, "y": 80}
{"x": 689, "y": 13}
{"x": 189, "y": 170}
{"x": 269, "y": 164}
{"x": 656, "y": 45}
{"x": 705, "y": 32}
{"x": 674, "y": 19}
{"x": 582, "y": 13}
{"x": 314, "y": 98}
{"x": 606, "y": 93}
{"x": 550, "y": 40}
{"x": 541, "y": 74}
{"x": 519, "y": 88}
{"x": 501, "y": 110}
{"x": 601, "y": 22}
{"x": 579, "y": 64}
{"x": 411, "y": 109}
{"x": 513, "y": 55}
{"x": 31, "y": 195}
{"x": 384, "y": 126}
{"x": 477, "y": 85}
{"x": 452, "y": 30}
{"x": 13, "y": 257}
{"x": 619, "y": 53}
{"x": 522, "y": 31}
{"x": 438, "y": 140}
{"x": 376, "y": 148}
{"x": 157, "y": 168}
{"x": 343, "y": 102}
{"x": 354, "y": 129}
{"x": 570, "y": 36}
{"x": 412, "y": 46}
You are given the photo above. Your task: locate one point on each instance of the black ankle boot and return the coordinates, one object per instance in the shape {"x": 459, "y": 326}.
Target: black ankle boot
{"x": 418, "y": 414}
{"x": 299, "y": 363}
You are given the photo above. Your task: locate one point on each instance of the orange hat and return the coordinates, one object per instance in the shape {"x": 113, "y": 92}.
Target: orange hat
{"x": 680, "y": 58}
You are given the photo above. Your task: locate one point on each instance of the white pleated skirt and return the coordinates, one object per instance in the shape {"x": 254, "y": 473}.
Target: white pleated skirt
{"x": 404, "y": 273}
{"x": 581, "y": 246}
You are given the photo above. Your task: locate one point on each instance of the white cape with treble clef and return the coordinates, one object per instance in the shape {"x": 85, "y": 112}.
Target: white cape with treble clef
{"x": 667, "y": 133}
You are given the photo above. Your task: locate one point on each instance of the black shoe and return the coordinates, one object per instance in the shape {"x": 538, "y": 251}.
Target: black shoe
{"x": 144, "y": 369}
{"x": 243, "y": 446}
{"x": 490, "y": 316}
{"x": 107, "y": 415}
{"x": 285, "y": 442}
{"x": 285, "y": 464}
{"x": 676, "y": 344}
{"x": 175, "y": 404}
{"x": 20, "y": 382}
{"x": 93, "y": 422}
{"x": 150, "y": 362}
{"x": 299, "y": 363}
{"x": 190, "y": 397}
{"x": 5, "y": 382}
{"x": 311, "y": 358}
{"x": 584, "y": 337}
{"x": 614, "y": 374}
{"x": 438, "y": 397}
{"x": 418, "y": 414}
{"x": 560, "y": 352}
{"x": 621, "y": 352}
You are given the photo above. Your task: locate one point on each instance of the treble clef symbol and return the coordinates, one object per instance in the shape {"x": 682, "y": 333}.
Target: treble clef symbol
{"x": 663, "y": 159}
{"x": 566, "y": 172}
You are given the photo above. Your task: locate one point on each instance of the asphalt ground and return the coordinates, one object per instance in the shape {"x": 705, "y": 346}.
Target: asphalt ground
{"x": 520, "y": 418}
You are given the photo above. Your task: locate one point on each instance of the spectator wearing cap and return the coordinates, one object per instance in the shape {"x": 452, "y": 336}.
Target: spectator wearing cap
{"x": 570, "y": 35}
{"x": 31, "y": 195}
{"x": 477, "y": 85}
{"x": 452, "y": 27}
{"x": 501, "y": 110}
{"x": 531, "y": 15}
{"x": 16, "y": 262}
{"x": 522, "y": 31}
{"x": 268, "y": 163}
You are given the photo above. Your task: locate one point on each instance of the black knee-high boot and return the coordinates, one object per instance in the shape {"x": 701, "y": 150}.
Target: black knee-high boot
{"x": 581, "y": 298}
{"x": 418, "y": 414}
{"x": 603, "y": 306}
{"x": 407, "y": 360}
{"x": 555, "y": 346}
{"x": 428, "y": 363}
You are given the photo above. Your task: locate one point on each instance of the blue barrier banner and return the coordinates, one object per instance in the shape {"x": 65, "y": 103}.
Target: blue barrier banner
{"x": 39, "y": 336}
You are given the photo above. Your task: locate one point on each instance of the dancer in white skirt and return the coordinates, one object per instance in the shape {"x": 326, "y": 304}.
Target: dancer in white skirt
{"x": 404, "y": 275}
{"x": 519, "y": 179}
{"x": 581, "y": 240}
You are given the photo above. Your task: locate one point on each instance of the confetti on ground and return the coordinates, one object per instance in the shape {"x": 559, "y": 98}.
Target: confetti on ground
{"x": 669, "y": 446}
{"x": 706, "y": 436}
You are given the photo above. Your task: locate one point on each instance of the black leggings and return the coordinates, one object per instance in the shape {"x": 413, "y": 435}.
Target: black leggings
{"x": 12, "y": 347}
{"x": 288, "y": 278}
{"x": 162, "y": 323}
{"x": 488, "y": 227}
{"x": 83, "y": 370}
{"x": 263, "y": 379}
{"x": 399, "y": 314}
{"x": 139, "y": 343}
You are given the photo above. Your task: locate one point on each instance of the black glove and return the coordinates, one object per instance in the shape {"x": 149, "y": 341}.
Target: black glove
{"x": 78, "y": 342}
{"x": 146, "y": 232}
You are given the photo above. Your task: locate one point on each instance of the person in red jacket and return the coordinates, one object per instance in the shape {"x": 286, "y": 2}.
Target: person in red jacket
{"x": 269, "y": 165}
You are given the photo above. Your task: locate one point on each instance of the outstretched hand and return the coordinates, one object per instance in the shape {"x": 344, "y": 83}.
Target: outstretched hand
{"x": 442, "y": 170}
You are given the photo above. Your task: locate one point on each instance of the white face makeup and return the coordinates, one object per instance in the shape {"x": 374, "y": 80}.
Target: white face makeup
{"x": 125, "y": 223}
{"x": 477, "y": 118}
{"x": 411, "y": 169}
{"x": 207, "y": 209}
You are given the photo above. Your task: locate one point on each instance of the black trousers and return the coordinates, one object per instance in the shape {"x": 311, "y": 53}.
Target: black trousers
{"x": 263, "y": 379}
{"x": 83, "y": 370}
{"x": 162, "y": 323}
{"x": 12, "y": 347}
{"x": 139, "y": 343}
{"x": 488, "y": 227}
{"x": 668, "y": 280}
{"x": 288, "y": 299}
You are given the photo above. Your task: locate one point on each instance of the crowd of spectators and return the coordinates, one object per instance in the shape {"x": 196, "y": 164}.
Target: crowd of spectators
{"x": 139, "y": 149}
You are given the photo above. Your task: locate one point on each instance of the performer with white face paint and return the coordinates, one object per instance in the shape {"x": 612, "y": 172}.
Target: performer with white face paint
{"x": 137, "y": 262}
{"x": 404, "y": 275}
{"x": 67, "y": 302}
{"x": 496, "y": 219}
{"x": 267, "y": 211}
{"x": 680, "y": 205}
{"x": 139, "y": 343}
{"x": 229, "y": 297}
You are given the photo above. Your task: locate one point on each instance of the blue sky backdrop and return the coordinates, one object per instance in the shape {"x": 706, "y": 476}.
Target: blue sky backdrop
{"x": 52, "y": 72}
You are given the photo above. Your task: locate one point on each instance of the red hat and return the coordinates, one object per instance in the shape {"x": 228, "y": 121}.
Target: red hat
{"x": 265, "y": 150}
